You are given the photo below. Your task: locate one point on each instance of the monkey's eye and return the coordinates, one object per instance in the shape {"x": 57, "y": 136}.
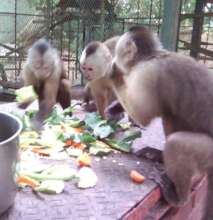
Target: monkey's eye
{"x": 90, "y": 69}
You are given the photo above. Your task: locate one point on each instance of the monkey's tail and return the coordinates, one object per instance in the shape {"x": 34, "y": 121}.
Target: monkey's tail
{"x": 208, "y": 209}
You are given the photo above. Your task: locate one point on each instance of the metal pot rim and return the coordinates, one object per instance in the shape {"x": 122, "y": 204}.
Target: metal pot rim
{"x": 17, "y": 132}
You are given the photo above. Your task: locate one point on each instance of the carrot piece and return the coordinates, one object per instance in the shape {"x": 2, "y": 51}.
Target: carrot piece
{"x": 79, "y": 145}
{"x": 136, "y": 177}
{"x": 69, "y": 142}
{"x": 84, "y": 160}
{"x": 40, "y": 151}
{"x": 78, "y": 130}
{"x": 27, "y": 181}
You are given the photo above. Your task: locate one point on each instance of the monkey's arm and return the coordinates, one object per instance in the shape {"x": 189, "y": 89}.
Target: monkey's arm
{"x": 64, "y": 93}
{"x": 100, "y": 101}
{"x": 28, "y": 76}
{"x": 47, "y": 101}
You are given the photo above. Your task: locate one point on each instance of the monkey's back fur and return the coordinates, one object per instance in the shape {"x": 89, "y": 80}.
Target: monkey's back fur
{"x": 185, "y": 91}
{"x": 173, "y": 85}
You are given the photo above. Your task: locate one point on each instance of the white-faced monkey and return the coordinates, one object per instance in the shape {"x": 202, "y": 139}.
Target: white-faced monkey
{"x": 44, "y": 70}
{"x": 149, "y": 82}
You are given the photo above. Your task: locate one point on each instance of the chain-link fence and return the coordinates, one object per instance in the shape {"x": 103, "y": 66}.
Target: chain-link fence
{"x": 70, "y": 24}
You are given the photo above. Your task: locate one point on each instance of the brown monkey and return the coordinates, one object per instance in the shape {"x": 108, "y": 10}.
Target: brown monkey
{"x": 44, "y": 70}
{"x": 95, "y": 67}
{"x": 149, "y": 82}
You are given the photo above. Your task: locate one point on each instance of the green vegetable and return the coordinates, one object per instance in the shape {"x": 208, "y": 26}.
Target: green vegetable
{"x": 56, "y": 172}
{"x": 51, "y": 186}
{"x": 25, "y": 94}
{"x": 68, "y": 110}
{"x": 87, "y": 138}
{"x": 55, "y": 118}
{"x": 119, "y": 145}
{"x": 26, "y": 119}
{"x": 100, "y": 127}
{"x": 99, "y": 151}
{"x": 92, "y": 119}
{"x": 102, "y": 130}
{"x": 131, "y": 134}
{"x": 75, "y": 123}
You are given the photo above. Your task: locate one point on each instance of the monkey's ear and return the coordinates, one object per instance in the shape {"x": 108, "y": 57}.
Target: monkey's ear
{"x": 131, "y": 50}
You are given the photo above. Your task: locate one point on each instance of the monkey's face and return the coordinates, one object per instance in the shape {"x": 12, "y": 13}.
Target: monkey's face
{"x": 125, "y": 53}
{"x": 95, "y": 63}
{"x": 42, "y": 65}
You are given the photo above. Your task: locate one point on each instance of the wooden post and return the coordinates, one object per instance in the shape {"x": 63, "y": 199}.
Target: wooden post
{"x": 170, "y": 26}
{"x": 197, "y": 28}
{"x": 102, "y": 18}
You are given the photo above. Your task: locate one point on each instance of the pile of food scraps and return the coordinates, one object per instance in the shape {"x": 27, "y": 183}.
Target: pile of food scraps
{"x": 66, "y": 137}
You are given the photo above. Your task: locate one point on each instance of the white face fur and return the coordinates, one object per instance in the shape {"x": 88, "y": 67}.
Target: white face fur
{"x": 42, "y": 65}
{"x": 97, "y": 64}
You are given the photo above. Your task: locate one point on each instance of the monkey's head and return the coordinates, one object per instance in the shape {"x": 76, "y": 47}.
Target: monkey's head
{"x": 95, "y": 60}
{"x": 41, "y": 59}
{"x": 139, "y": 43}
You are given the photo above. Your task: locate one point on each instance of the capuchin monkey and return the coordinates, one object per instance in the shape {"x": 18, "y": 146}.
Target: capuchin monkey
{"x": 150, "y": 82}
{"x": 44, "y": 70}
{"x": 94, "y": 69}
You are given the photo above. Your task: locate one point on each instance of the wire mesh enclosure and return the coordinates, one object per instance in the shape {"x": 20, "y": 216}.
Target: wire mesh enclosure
{"x": 196, "y": 30}
{"x": 69, "y": 24}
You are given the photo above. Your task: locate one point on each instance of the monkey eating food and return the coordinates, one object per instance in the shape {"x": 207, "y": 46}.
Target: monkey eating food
{"x": 95, "y": 60}
{"x": 150, "y": 81}
{"x": 45, "y": 72}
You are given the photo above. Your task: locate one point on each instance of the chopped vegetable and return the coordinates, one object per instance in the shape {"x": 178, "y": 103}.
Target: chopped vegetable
{"x": 119, "y": 145}
{"x": 92, "y": 119}
{"x": 101, "y": 144}
{"x": 99, "y": 151}
{"x": 102, "y": 130}
{"x": 131, "y": 134}
{"x": 23, "y": 180}
{"x": 51, "y": 187}
{"x": 55, "y": 118}
{"x": 87, "y": 178}
{"x": 99, "y": 148}
{"x": 75, "y": 123}
{"x": 69, "y": 142}
{"x": 56, "y": 172}
{"x": 84, "y": 160}
{"x": 25, "y": 94}
{"x": 41, "y": 152}
{"x": 100, "y": 127}
{"x": 79, "y": 145}
{"x": 136, "y": 177}
{"x": 87, "y": 138}
{"x": 74, "y": 152}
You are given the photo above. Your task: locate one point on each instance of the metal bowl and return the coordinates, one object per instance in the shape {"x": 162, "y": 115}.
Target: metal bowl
{"x": 10, "y": 128}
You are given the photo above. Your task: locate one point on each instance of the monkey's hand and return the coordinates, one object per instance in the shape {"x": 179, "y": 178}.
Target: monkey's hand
{"x": 37, "y": 123}
{"x": 24, "y": 105}
{"x": 169, "y": 192}
{"x": 114, "y": 111}
{"x": 90, "y": 107}
{"x": 168, "y": 189}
